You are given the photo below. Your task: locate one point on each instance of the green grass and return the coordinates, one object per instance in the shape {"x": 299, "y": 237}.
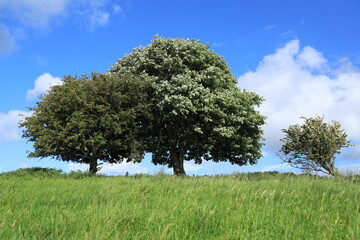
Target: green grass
{"x": 242, "y": 206}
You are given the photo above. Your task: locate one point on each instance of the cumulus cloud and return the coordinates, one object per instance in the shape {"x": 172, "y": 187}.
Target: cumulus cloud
{"x": 311, "y": 58}
{"x": 219, "y": 44}
{"x": 117, "y": 9}
{"x": 20, "y": 15}
{"x": 93, "y": 13}
{"x": 42, "y": 84}
{"x": 190, "y": 166}
{"x": 288, "y": 35}
{"x": 99, "y": 18}
{"x": 9, "y": 125}
{"x": 122, "y": 168}
{"x": 350, "y": 169}
{"x": 7, "y": 42}
{"x": 276, "y": 167}
{"x": 78, "y": 167}
{"x": 112, "y": 169}
{"x": 299, "y": 82}
{"x": 353, "y": 152}
{"x": 35, "y": 13}
{"x": 39, "y": 13}
{"x": 9, "y": 122}
{"x": 24, "y": 165}
{"x": 268, "y": 29}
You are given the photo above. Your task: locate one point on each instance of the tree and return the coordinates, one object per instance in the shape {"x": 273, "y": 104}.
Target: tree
{"x": 198, "y": 112}
{"x": 313, "y": 145}
{"x": 88, "y": 119}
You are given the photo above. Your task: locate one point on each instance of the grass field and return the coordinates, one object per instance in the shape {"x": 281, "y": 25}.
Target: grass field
{"x": 242, "y": 206}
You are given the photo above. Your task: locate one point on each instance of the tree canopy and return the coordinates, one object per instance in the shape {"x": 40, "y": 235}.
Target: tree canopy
{"x": 197, "y": 111}
{"x": 89, "y": 118}
{"x": 313, "y": 145}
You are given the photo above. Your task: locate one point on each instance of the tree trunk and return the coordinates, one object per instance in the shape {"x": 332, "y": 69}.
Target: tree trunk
{"x": 93, "y": 168}
{"x": 177, "y": 160}
{"x": 330, "y": 168}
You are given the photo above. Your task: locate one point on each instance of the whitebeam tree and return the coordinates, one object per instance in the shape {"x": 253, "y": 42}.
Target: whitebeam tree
{"x": 197, "y": 112}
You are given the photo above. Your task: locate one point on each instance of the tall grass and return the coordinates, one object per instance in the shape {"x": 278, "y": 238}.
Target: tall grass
{"x": 240, "y": 206}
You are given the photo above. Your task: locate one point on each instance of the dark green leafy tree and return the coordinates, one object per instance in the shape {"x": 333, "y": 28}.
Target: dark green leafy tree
{"x": 313, "y": 145}
{"x": 198, "y": 112}
{"x": 87, "y": 119}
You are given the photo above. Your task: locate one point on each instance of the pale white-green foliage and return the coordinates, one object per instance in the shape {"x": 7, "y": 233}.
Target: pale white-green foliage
{"x": 195, "y": 101}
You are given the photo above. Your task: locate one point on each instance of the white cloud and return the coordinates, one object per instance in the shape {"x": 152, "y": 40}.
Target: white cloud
{"x": 7, "y": 43}
{"x": 117, "y": 9}
{"x": 288, "y": 35}
{"x": 122, "y": 168}
{"x": 219, "y": 44}
{"x": 276, "y": 167}
{"x": 23, "y": 165}
{"x": 42, "y": 84}
{"x": 112, "y": 169}
{"x": 35, "y": 13}
{"x": 9, "y": 125}
{"x": 20, "y": 15}
{"x": 9, "y": 122}
{"x": 350, "y": 169}
{"x": 93, "y": 13}
{"x": 268, "y": 29}
{"x": 78, "y": 167}
{"x": 191, "y": 166}
{"x": 310, "y": 57}
{"x": 40, "y": 13}
{"x": 353, "y": 153}
{"x": 298, "y": 82}
{"x": 98, "y": 18}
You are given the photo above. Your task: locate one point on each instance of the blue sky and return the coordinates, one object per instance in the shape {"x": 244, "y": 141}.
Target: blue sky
{"x": 302, "y": 56}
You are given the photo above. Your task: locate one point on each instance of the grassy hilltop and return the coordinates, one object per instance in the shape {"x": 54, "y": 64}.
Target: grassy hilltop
{"x": 50, "y": 205}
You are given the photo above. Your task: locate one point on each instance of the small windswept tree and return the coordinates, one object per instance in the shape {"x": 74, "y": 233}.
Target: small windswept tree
{"x": 313, "y": 145}
{"x": 88, "y": 119}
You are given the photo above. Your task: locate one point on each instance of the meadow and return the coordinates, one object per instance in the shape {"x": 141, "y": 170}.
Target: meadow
{"x": 52, "y": 205}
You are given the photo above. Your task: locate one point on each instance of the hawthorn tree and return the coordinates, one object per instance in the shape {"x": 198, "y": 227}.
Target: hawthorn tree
{"x": 313, "y": 145}
{"x": 197, "y": 111}
{"x": 88, "y": 119}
